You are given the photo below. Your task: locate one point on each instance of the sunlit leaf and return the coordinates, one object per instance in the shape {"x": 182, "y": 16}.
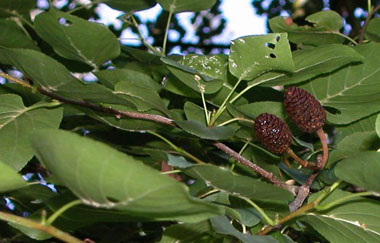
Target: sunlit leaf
{"x": 10, "y": 179}
{"x": 186, "y": 5}
{"x": 252, "y": 56}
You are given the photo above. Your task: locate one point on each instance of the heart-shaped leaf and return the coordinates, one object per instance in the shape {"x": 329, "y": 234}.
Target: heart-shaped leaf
{"x": 104, "y": 177}
{"x": 77, "y": 39}
{"x": 247, "y": 60}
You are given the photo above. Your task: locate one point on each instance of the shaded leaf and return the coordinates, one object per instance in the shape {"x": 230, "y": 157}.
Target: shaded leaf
{"x": 10, "y": 179}
{"x": 19, "y": 6}
{"x": 222, "y": 225}
{"x": 351, "y": 88}
{"x": 12, "y": 36}
{"x": 324, "y": 29}
{"x": 106, "y": 178}
{"x": 310, "y": 63}
{"x": 194, "y": 113}
{"x": 17, "y": 122}
{"x": 252, "y": 56}
{"x": 373, "y": 29}
{"x": 128, "y": 6}
{"x": 361, "y": 169}
{"x": 188, "y": 233}
{"x": 252, "y": 110}
{"x": 352, "y": 144}
{"x": 224, "y": 179}
{"x": 366, "y": 124}
{"x": 200, "y": 130}
{"x": 186, "y": 5}
{"x": 77, "y": 39}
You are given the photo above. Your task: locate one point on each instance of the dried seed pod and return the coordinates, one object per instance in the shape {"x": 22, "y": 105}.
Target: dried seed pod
{"x": 273, "y": 133}
{"x": 304, "y": 109}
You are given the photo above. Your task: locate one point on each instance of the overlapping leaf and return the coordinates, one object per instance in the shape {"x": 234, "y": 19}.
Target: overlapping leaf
{"x": 186, "y": 5}
{"x": 351, "y": 88}
{"x": 104, "y": 177}
{"x": 11, "y": 35}
{"x": 10, "y": 179}
{"x": 324, "y": 30}
{"x": 77, "y": 39}
{"x": 373, "y": 30}
{"x": 361, "y": 170}
{"x": 19, "y": 6}
{"x": 200, "y": 130}
{"x": 252, "y": 56}
{"x": 17, "y": 122}
{"x": 356, "y": 218}
{"x": 236, "y": 184}
{"x": 310, "y": 63}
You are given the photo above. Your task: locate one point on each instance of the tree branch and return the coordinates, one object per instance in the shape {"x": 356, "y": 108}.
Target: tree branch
{"x": 51, "y": 230}
{"x": 361, "y": 37}
{"x": 267, "y": 175}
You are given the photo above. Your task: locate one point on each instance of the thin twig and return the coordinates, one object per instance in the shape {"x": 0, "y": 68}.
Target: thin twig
{"x": 267, "y": 175}
{"x": 304, "y": 163}
{"x": 370, "y": 14}
{"x": 108, "y": 110}
{"x": 303, "y": 192}
{"x": 322, "y": 136}
{"x": 23, "y": 83}
{"x": 51, "y": 230}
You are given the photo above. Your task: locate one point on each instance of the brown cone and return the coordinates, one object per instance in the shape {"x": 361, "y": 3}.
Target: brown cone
{"x": 273, "y": 133}
{"x": 304, "y": 109}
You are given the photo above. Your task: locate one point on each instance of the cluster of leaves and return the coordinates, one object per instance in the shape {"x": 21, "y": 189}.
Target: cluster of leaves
{"x": 128, "y": 157}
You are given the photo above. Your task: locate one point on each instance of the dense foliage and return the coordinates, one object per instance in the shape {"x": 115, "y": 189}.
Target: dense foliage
{"x": 163, "y": 148}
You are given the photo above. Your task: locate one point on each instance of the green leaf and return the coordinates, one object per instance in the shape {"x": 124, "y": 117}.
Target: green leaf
{"x": 324, "y": 29}
{"x": 252, "y": 56}
{"x": 373, "y": 29}
{"x": 361, "y": 170}
{"x": 377, "y": 125}
{"x": 17, "y": 122}
{"x": 19, "y": 6}
{"x": 104, "y": 177}
{"x": 194, "y": 113}
{"x": 252, "y": 110}
{"x": 224, "y": 179}
{"x": 77, "y": 39}
{"x": 351, "y": 88}
{"x": 215, "y": 66}
{"x": 178, "y": 233}
{"x": 128, "y": 6}
{"x": 177, "y": 6}
{"x": 310, "y": 63}
{"x": 200, "y": 130}
{"x": 192, "y": 78}
{"x": 222, "y": 225}
{"x": 9, "y": 179}
{"x": 355, "y": 218}
{"x": 12, "y": 36}
{"x": 352, "y": 144}
{"x": 144, "y": 97}
{"x": 53, "y": 76}
{"x": 366, "y": 124}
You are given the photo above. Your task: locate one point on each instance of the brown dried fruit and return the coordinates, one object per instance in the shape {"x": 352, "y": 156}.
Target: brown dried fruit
{"x": 273, "y": 133}
{"x": 304, "y": 109}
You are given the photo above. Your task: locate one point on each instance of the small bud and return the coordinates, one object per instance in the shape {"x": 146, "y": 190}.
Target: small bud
{"x": 273, "y": 133}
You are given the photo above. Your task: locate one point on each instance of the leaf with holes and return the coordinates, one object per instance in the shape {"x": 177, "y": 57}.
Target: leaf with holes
{"x": 77, "y": 39}
{"x": 351, "y": 88}
{"x": 252, "y": 56}
{"x": 9, "y": 178}
{"x": 17, "y": 122}
{"x": 104, "y": 177}
{"x": 361, "y": 169}
{"x": 323, "y": 29}
{"x": 310, "y": 63}
{"x": 177, "y": 6}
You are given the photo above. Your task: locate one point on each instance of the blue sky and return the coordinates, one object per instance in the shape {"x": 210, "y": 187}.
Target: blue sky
{"x": 240, "y": 15}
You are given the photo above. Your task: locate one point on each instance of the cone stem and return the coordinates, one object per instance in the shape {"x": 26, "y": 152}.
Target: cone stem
{"x": 322, "y": 136}
{"x": 304, "y": 163}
